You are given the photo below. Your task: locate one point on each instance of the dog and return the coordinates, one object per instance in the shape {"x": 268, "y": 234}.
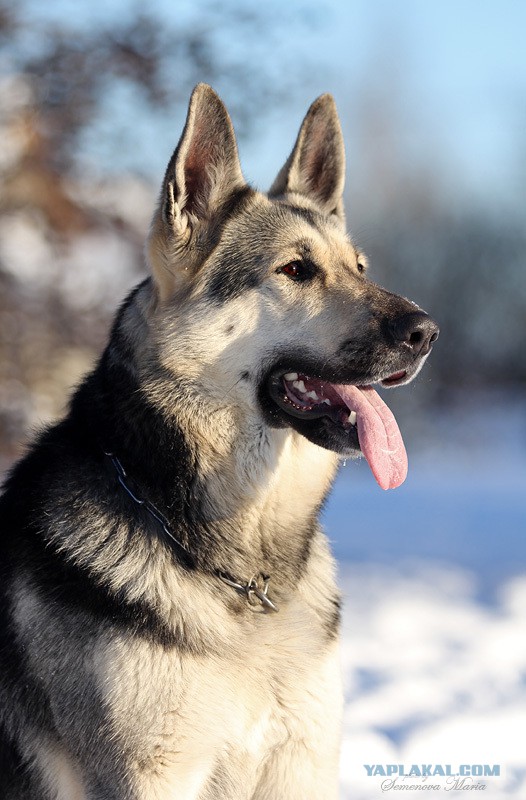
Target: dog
{"x": 169, "y": 614}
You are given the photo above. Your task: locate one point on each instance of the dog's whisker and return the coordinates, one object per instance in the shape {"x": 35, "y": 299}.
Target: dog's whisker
{"x": 230, "y": 389}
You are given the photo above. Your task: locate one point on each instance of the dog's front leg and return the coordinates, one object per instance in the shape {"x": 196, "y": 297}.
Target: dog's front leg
{"x": 306, "y": 765}
{"x": 294, "y": 772}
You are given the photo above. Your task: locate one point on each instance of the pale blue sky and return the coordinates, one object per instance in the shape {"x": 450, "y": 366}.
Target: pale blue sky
{"x": 458, "y": 70}
{"x": 455, "y": 71}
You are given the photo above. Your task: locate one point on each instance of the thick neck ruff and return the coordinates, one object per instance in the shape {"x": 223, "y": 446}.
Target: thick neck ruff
{"x": 255, "y": 590}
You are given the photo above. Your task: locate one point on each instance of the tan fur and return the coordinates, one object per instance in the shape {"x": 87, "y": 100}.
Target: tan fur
{"x": 166, "y": 681}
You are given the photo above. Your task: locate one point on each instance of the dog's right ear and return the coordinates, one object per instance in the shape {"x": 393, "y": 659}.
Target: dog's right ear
{"x": 202, "y": 175}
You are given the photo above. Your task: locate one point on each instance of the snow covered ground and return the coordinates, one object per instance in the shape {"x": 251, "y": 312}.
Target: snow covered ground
{"x": 432, "y": 677}
{"x": 434, "y": 646}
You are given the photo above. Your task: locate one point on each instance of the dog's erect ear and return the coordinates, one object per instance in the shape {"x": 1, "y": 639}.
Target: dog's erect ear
{"x": 316, "y": 166}
{"x": 205, "y": 166}
{"x": 203, "y": 173}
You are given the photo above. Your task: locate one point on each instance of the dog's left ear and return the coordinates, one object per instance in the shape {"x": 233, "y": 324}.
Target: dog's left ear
{"x": 316, "y": 166}
{"x": 203, "y": 174}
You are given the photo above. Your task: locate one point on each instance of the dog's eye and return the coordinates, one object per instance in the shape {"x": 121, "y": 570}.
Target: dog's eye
{"x": 295, "y": 270}
{"x": 360, "y": 267}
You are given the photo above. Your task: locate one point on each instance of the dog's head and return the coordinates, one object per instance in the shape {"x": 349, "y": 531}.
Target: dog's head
{"x": 263, "y": 300}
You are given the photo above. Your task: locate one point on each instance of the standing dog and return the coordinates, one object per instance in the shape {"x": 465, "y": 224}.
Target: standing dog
{"x": 169, "y": 611}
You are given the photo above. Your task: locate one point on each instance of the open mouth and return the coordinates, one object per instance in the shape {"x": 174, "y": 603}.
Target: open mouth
{"x": 346, "y": 417}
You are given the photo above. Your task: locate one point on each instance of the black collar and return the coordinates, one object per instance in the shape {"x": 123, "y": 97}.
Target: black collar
{"x": 255, "y": 590}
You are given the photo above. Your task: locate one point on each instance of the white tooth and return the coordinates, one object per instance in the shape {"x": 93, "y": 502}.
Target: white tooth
{"x": 291, "y": 376}
{"x": 313, "y": 396}
{"x": 299, "y": 385}
{"x": 327, "y": 401}
{"x": 352, "y": 417}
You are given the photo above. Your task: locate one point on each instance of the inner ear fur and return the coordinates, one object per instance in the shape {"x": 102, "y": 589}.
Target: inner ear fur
{"x": 204, "y": 168}
{"x": 203, "y": 173}
{"x": 316, "y": 165}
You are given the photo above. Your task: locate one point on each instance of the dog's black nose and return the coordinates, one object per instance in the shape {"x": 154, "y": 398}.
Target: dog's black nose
{"x": 416, "y": 330}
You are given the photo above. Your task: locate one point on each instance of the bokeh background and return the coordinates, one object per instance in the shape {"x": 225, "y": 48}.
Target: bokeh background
{"x": 432, "y": 97}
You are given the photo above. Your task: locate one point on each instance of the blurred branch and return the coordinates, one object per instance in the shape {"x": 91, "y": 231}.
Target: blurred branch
{"x": 71, "y": 70}
{"x": 69, "y": 246}
{"x": 465, "y": 261}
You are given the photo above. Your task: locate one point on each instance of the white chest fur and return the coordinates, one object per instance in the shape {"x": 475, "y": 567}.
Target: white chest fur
{"x": 196, "y": 719}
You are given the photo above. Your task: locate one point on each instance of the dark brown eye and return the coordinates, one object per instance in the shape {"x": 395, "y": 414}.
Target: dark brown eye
{"x": 360, "y": 267}
{"x": 295, "y": 270}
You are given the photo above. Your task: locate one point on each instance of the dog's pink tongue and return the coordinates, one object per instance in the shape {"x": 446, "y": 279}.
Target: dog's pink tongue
{"x": 380, "y": 438}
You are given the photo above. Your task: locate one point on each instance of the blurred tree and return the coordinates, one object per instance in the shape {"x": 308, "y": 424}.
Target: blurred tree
{"x": 75, "y": 90}
{"x": 145, "y": 59}
{"x": 469, "y": 270}
{"x": 464, "y": 260}
{"x": 70, "y": 246}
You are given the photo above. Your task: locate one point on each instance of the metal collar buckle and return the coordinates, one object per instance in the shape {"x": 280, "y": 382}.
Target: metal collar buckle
{"x": 255, "y": 590}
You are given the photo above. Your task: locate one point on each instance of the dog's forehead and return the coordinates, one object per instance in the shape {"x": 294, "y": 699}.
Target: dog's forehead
{"x": 276, "y": 227}
{"x": 266, "y": 234}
